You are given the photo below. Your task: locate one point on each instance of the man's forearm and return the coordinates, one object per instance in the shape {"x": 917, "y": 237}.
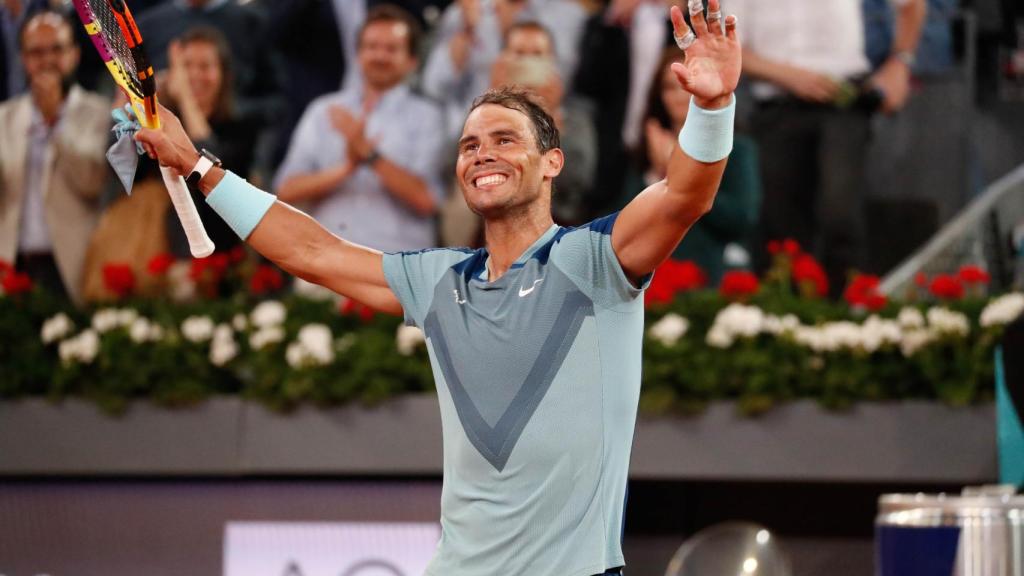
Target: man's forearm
{"x": 410, "y": 189}
{"x": 909, "y": 22}
{"x": 304, "y": 187}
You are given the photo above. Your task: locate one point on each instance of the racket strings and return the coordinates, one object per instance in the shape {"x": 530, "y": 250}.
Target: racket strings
{"x": 113, "y": 36}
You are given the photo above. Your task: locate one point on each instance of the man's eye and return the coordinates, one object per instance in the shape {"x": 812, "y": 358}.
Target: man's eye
{"x": 469, "y": 147}
{"x": 504, "y": 140}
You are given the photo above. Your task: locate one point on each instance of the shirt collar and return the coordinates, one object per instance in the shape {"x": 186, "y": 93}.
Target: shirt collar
{"x": 526, "y": 255}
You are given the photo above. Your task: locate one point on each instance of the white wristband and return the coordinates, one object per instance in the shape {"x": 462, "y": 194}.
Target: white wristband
{"x": 707, "y": 134}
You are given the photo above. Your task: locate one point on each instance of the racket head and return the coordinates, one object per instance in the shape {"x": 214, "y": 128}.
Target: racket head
{"x": 116, "y": 37}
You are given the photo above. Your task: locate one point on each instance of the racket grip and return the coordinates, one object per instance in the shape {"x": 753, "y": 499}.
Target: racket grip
{"x": 199, "y": 242}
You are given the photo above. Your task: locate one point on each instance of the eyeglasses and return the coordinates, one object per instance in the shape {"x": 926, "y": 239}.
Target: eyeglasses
{"x": 42, "y": 51}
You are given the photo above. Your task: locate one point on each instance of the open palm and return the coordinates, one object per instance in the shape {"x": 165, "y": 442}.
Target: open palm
{"x": 711, "y": 70}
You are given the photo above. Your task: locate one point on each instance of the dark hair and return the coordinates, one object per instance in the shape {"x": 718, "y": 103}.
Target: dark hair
{"x": 655, "y": 106}
{"x": 31, "y": 17}
{"x": 531, "y": 25}
{"x": 392, "y": 13}
{"x": 225, "y": 106}
{"x": 520, "y": 100}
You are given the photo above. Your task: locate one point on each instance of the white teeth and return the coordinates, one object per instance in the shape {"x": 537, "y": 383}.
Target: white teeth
{"x": 492, "y": 179}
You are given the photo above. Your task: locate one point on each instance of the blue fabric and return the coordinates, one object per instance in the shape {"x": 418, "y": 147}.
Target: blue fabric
{"x": 935, "y": 49}
{"x": 239, "y": 203}
{"x": 707, "y": 134}
{"x": 123, "y": 155}
{"x": 1010, "y": 432}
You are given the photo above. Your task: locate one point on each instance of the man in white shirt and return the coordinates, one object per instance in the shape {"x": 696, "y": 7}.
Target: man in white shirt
{"x": 815, "y": 99}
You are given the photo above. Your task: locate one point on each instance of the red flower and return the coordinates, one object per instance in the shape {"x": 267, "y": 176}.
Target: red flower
{"x": 807, "y": 270}
{"x": 672, "y": 277}
{"x": 237, "y": 254}
{"x": 119, "y": 279}
{"x": 791, "y": 247}
{"x": 862, "y": 292}
{"x": 774, "y": 247}
{"x": 946, "y": 287}
{"x": 159, "y": 264}
{"x": 738, "y": 283}
{"x": 973, "y": 275}
{"x": 921, "y": 279}
{"x": 212, "y": 267}
{"x": 350, "y": 306}
{"x": 15, "y": 282}
{"x": 5, "y": 267}
{"x": 265, "y": 279}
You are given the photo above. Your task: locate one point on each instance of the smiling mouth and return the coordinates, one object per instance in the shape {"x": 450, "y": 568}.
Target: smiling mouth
{"x": 489, "y": 180}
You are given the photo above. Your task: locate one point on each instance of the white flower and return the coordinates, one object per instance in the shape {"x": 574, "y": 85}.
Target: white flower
{"x": 126, "y": 316}
{"x": 408, "y": 338}
{"x": 719, "y": 337}
{"x": 265, "y": 336}
{"x": 183, "y": 288}
{"x": 56, "y": 328}
{"x": 197, "y": 328}
{"x": 946, "y": 321}
{"x": 223, "y": 333}
{"x": 82, "y": 348}
{"x": 240, "y": 322}
{"x": 811, "y": 337}
{"x": 140, "y": 330}
{"x": 842, "y": 335}
{"x": 1002, "y": 310}
{"x": 910, "y": 318}
{"x": 669, "y": 329}
{"x": 313, "y": 291}
{"x": 269, "y": 313}
{"x": 740, "y": 320}
{"x": 914, "y": 340}
{"x": 105, "y": 320}
{"x": 223, "y": 351}
{"x": 318, "y": 341}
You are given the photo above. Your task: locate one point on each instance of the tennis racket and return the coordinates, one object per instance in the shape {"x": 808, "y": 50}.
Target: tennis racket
{"x": 113, "y": 32}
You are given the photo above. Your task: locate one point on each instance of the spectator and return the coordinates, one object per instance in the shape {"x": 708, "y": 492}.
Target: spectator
{"x": 13, "y": 13}
{"x": 814, "y": 103}
{"x": 731, "y": 223}
{"x": 53, "y": 168}
{"x": 471, "y": 35}
{"x": 198, "y": 86}
{"x": 367, "y": 157}
{"x": 258, "y": 76}
{"x": 528, "y": 60}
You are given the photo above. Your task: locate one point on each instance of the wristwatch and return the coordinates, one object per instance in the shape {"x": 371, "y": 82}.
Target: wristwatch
{"x": 206, "y": 161}
{"x": 907, "y": 57}
{"x": 372, "y": 157}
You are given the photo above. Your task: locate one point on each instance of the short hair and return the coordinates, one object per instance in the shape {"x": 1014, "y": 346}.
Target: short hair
{"x": 392, "y": 13}
{"x": 520, "y": 100}
{"x": 531, "y": 25}
{"x": 47, "y": 13}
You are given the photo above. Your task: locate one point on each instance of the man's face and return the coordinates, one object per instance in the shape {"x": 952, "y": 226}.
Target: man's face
{"x": 529, "y": 42}
{"x": 47, "y": 47}
{"x": 384, "y": 54}
{"x": 500, "y": 167}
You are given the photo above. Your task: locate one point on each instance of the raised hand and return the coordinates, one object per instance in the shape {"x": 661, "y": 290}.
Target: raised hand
{"x": 711, "y": 70}
{"x": 353, "y": 130}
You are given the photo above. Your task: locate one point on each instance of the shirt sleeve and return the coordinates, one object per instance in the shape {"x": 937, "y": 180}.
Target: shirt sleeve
{"x": 586, "y": 255}
{"x": 430, "y": 142}
{"x": 413, "y": 276}
{"x": 303, "y": 155}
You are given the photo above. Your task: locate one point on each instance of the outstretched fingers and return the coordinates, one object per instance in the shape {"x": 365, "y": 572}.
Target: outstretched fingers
{"x": 696, "y": 9}
{"x": 681, "y": 31}
{"x": 714, "y": 17}
{"x": 730, "y": 26}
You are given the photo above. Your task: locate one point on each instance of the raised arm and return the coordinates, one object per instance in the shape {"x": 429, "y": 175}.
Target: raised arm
{"x": 651, "y": 226}
{"x": 286, "y": 236}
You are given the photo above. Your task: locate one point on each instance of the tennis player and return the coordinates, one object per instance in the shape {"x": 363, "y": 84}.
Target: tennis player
{"x": 535, "y": 339}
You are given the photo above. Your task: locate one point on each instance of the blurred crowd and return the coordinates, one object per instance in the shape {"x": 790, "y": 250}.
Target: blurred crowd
{"x": 351, "y": 110}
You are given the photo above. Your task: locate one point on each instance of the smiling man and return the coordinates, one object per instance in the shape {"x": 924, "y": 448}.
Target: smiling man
{"x": 535, "y": 339}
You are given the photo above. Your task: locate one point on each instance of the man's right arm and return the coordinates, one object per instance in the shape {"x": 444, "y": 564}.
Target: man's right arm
{"x": 804, "y": 84}
{"x": 286, "y": 236}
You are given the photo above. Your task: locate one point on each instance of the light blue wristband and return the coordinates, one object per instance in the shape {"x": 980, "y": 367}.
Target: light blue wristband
{"x": 707, "y": 134}
{"x": 239, "y": 203}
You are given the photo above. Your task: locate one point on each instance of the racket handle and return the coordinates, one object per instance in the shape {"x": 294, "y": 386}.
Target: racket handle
{"x": 199, "y": 242}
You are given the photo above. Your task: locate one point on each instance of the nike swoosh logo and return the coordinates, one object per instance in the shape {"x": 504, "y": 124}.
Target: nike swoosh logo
{"x": 523, "y": 292}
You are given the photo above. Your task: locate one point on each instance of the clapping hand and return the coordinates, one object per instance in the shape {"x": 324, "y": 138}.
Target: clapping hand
{"x": 353, "y": 129}
{"x": 711, "y": 70}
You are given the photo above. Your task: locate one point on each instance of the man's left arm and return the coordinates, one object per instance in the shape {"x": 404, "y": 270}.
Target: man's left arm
{"x": 651, "y": 226}
{"x": 893, "y": 76}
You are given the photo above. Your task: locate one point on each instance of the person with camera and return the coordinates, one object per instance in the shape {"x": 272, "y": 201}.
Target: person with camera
{"x": 815, "y": 97}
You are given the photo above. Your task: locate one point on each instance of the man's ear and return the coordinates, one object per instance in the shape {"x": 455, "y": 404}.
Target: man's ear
{"x": 553, "y": 159}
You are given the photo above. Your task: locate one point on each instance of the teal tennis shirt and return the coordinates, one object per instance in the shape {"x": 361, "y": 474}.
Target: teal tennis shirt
{"x": 538, "y": 377}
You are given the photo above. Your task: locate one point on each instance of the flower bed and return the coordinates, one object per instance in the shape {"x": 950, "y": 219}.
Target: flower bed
{"x": 178, "y": 332}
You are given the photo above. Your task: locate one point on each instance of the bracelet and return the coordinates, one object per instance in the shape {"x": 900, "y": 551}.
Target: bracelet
{"x": 239, "y": 203}
{"x": 707, "y": 134}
